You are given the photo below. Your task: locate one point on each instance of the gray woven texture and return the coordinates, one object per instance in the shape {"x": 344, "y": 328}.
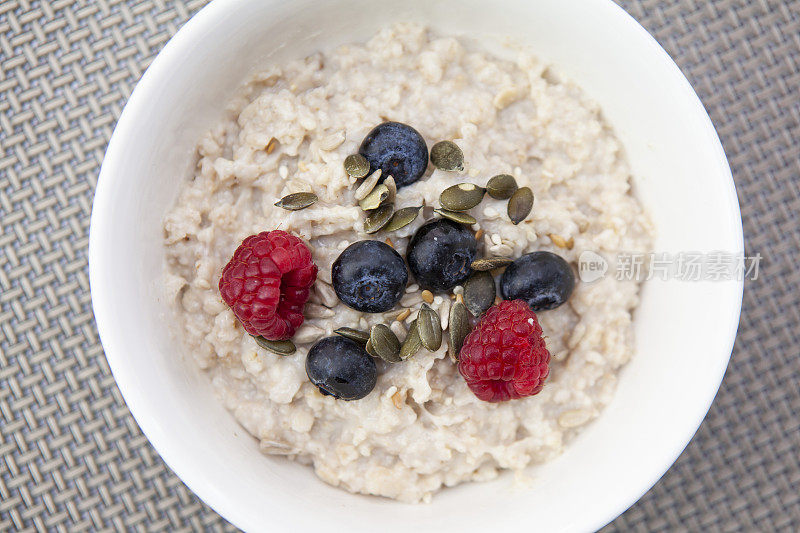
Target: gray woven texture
{"x": 72, "y": 456}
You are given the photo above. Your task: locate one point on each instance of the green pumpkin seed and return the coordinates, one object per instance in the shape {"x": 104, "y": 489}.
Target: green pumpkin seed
{"x": 412, "y": 343}
{"x": 490, "y": 263}
{"x": 479, "y": 292}
{"x": 374, "y": 199}
{"x": 356, "y": 335}
{"x": 356, "y": 165}
{"x": 430, "y": 329}
{"x": 370, "y": 349}
{"x": 461, "y": 197}
{"x": 367, "y": 185}
{"x": 457, "y": 329}
{"x": 446, "y": 155}
{"x": 520, "y": 205}
{"x": 378, "y": 218}
{"x": 457, "y": 216}
{"x": 297, "y": 201}
{"x": 384, "y": 343}
{"x": 402, "y": 218}
{"x": 502, "y": 186}
{"x": 279, "y": 347}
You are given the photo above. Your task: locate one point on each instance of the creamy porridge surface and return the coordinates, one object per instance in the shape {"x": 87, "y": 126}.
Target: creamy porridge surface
{"x": 421, "y": 428}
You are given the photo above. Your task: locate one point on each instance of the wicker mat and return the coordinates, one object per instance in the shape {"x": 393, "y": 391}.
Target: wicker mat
{"x": 72, "y": 456}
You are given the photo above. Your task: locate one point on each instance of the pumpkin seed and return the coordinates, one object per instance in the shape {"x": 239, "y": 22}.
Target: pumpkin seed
{"x": 457, "y": 329}
{"x": 520, "y": 205}
{"x": 279, "y": 347}
{"x": 378, "y": 218}
{"x": 367, "y": 185}
{"x": 374, "y": 199}
{"x": 430, "y": 330}
{"x": 502, "y": 186}
{"x": 461, "y": 197}
{"x": 490, "y": 263}
{"x": 384, "y": 343}
{"x": 457, "y": 216}
{"x": 356, "y": 335}
{"x": 446, "y": 155}
{"x": 412, "y": 343}
{"x": 402, "y": 218}
{"x": 356, "y": 165}
{"x": 297, "y": 201}
{"x": 479, "y": 292}
{"x": 370, "y": 349}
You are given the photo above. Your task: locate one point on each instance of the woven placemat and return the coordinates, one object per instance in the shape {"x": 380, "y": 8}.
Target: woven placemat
{"x": 72, "y": 456}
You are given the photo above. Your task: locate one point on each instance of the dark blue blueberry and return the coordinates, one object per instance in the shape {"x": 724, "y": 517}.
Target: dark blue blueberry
{"x": 369, "y": 276}
{"x": 440, "y": 253}
{"x": 398, "y": 150}
{"x": 341, "y": 368}
{"x": 543, "y": 279}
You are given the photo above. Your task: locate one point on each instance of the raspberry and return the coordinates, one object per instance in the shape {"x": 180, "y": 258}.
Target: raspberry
{"x": 504, "y": 357}
{"x": 266, "y": 283}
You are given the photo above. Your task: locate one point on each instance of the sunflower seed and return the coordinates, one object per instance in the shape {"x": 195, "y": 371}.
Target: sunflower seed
{"x": 446, "y": 155}
{"x": 457, "y": 329}
{"x": 367, "y": 185}
{"x": 457, "y": 216}
{"x": 356, "y": 165}
{"x": 359, "y": 336}
{"x": 430, "y": 330}
{"x": 490, "y": 263}
{"x": 479, "y": 292}
{"x": 461, "y": 197}
{"x": 427, "y": 296}
{"x": 378, "y": 218}
{"x": 278, "y": 347}
{"x": 384, "y": 343}
{"x": 308, "y": 333}
{"x": 392, "y": 186}
{"x": 297, "y": 201}
{"x": 374, "y": 199}
{"x": 412, "y": 343}
{"x": 502, "y": 186}
{"x": 520, "y": 205}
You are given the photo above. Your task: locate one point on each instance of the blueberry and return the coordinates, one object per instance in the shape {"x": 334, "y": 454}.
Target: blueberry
{"x": 341, "y": 368}
{"x": 440, "y": 253}
{"x": 369, "y": 276}
{"x": 543, "y": 279}
{"x": 398, "y": 150}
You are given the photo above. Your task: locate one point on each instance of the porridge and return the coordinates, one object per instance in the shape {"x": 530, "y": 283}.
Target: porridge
{"x": 419, "y": 422}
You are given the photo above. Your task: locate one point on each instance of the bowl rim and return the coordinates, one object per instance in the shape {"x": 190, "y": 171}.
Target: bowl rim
{"x": 158, "y": 70}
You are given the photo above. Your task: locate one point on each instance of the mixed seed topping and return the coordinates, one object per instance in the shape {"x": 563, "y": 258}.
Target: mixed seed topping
{"x": 364, "y": 278}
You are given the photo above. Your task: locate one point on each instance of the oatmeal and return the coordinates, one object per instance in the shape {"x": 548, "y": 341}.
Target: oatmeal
{"x": 291, "y": 130}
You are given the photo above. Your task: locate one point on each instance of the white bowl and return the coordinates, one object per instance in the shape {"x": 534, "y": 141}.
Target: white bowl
{"x": 684, "y": 330}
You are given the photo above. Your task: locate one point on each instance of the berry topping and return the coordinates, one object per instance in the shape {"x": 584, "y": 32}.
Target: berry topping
{"x": 266, "y": 283}
{"x": 369, "y": 276}
{"x": 543, "y": 279}
{"x": 341, "y": 368}
{"x": 398, "y": 150}
{"x": 440, "y": 253}
{"x": 505, "y": 357}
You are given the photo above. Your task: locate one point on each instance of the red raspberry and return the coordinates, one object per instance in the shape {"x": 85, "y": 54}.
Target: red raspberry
{"x": 504, "y": 357}
{"x": 266, "y": 283}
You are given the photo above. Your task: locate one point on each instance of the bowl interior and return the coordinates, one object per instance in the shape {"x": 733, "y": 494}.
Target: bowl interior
{"x": 684, "y": 330}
